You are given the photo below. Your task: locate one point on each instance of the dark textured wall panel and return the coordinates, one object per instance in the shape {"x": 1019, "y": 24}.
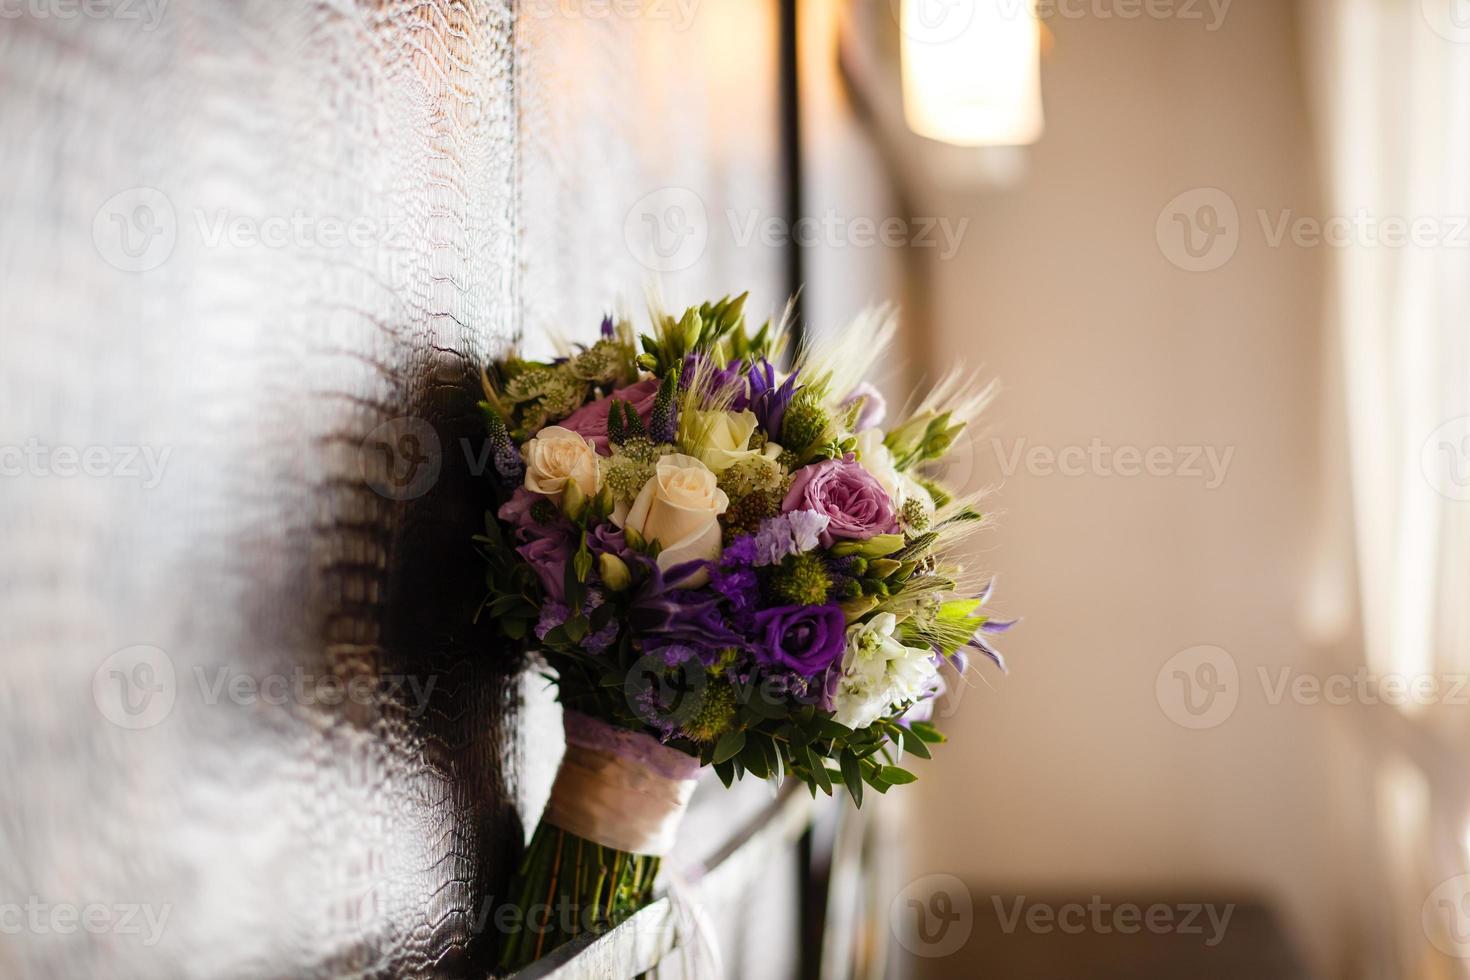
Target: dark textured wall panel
{"x": 217, "y": 322}
{"x": 250, "y": 256}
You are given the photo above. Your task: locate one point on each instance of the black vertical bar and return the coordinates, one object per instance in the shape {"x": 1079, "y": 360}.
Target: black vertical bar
{"x": 790, "y": 96}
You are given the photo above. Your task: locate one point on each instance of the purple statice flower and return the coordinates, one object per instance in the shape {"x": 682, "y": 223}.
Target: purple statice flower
{"x": 663, "y": 613}
{"x": 598, "y": 642}
{"x": 553, "y": 614}
{"x": 674, "y": 654}
{"x": 734, "y": 577}
{"x": 769, "y": 401}
{"x": 741, "y": 589}
{"x": 792, "y": 533}
{"x": 804, "y": 639}
{"x": 873, "y": 410}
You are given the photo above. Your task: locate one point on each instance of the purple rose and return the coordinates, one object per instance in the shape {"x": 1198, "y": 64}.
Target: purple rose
{"x": 806, "y": 639}
{"x": 590, "y": 420}
{"x": 855, "y": 503}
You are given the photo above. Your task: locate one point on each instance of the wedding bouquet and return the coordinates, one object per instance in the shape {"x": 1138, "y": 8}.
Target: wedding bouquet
{"x": 725, "y": 564}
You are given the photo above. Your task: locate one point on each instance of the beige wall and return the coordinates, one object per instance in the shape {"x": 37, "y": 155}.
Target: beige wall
{"x": 1067, "y": 772}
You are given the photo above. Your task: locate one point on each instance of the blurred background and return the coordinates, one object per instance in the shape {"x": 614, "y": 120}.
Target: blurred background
{"x": 1214, "y": 253}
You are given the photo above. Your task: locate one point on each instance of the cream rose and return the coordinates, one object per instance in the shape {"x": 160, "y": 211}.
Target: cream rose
{"x": 679, "y": 508}
{"x": 556, "y": 455}
{"x": 720, "y": 439}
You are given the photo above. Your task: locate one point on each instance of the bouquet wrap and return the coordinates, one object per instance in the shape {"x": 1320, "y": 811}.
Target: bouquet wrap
{"x": 622, "y": 790}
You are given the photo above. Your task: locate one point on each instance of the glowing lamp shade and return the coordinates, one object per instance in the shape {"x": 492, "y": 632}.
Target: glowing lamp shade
{"x": 972, "y": 71}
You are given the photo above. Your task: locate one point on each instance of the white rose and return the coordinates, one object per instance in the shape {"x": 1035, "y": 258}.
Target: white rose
{"x": 679, "y": 508}
{"x": 879, "y": 673}
{"x": 556, "y": 455}
{"x": 720, "y": 439}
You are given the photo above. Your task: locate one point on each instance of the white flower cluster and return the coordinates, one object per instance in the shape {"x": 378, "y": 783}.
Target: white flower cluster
{"x": 879, "y": 673}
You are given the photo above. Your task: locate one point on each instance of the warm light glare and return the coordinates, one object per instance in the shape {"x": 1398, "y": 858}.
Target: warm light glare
{"x": 972, "y": 71}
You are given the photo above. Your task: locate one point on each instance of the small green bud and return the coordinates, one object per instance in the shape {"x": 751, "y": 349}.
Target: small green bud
{"x": 614, "y": 571}
{"x": 883, "y": 567}
{"x": 573, "y": 500}
{"x": 855, "y": 609}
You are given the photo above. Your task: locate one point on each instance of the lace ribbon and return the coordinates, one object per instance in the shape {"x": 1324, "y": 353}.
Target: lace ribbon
{"x": 620, "y": 789}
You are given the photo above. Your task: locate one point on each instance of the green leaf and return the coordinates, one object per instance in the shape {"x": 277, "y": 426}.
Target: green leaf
{"x": 755, "y": 759}
{"x": 917, "y": 747}
{"x": 575, "y": 628}
{"x": 729, "y": 746}
{"x": 895, "y": 776}
{"x": 819, "y": 771}
{"x": 926, "y": 731}
{"x": 726, "y": 771}
{"x": 852, "y": 776}
{"x": 827, "y": 728}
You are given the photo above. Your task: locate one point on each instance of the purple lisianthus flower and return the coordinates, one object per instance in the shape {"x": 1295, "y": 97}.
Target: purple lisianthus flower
{"x": 855, "y": 503}
{"x": 608, "y": 539}
{"x": 792, "y": 533}
{"x": 768, "y": 400}
{"x": 804, "y": 639}
{"x": 664, "y": 613}
{"x": 873, "y": 410}
{"x": 546, "y": 547}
